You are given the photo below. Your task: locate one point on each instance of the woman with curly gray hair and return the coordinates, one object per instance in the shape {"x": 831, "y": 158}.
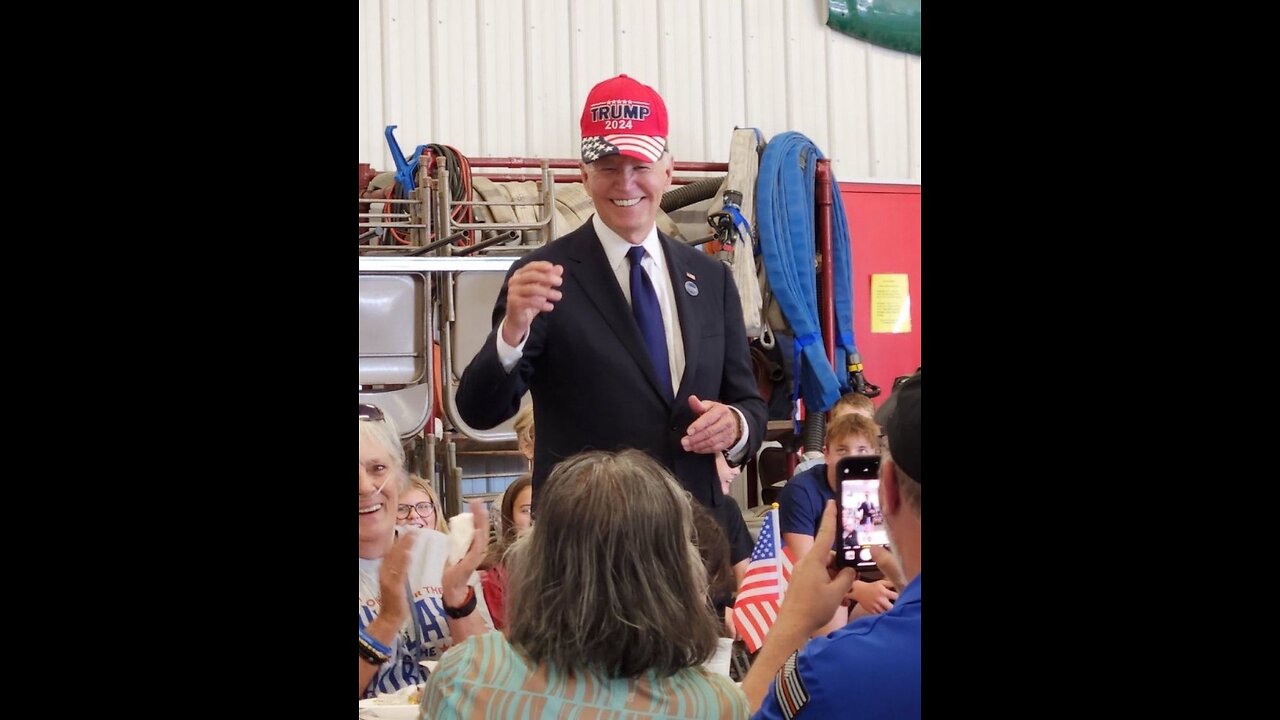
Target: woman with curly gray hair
{"x": 608, "y": 608}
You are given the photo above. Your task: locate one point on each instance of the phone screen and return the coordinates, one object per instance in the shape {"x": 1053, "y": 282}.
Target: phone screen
{"x": 861, "y": 520}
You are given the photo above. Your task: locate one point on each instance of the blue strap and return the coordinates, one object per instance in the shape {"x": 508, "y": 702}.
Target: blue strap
{"x": 739, "y": 222}
{"x": 785, "y": 224}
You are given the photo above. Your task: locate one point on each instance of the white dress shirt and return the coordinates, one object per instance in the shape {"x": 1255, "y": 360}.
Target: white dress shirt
{"x": 655, "y": 264}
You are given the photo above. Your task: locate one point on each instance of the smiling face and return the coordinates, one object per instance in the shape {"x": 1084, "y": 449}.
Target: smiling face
{"x": 727, "y": 474}
{"x": 628, "y": 192}
{"x": 412, "y": 499}
{"x": 379, "y": 478}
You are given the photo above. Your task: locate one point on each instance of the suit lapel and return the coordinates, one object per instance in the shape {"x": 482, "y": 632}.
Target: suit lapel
{"x": 690, "y": 321}
{"x": 593, "y": 274}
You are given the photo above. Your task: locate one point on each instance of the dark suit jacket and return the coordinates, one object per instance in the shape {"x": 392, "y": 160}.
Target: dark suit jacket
{"x": 592, "y": 381}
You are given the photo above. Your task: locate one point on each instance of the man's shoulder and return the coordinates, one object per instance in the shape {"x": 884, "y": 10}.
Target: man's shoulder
{"x": 801, "y": 482}
{"x": 802, "y": 497}
{"x": 558, "y": 249}
{"x": 866, "y": 662}
{"x": 812, "y": 476}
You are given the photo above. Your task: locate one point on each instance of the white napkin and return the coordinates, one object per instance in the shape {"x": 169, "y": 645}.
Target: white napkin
{"x": 719, "y": 663}
{"x": 461, "y": 528}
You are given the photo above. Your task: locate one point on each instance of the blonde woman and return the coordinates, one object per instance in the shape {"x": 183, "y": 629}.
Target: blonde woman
{"x": 419, "y": 505}
{"x": 523, "y": 426}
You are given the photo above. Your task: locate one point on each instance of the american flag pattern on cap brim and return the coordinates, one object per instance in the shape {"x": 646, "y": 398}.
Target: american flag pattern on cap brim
{"x": 646, "y": 146}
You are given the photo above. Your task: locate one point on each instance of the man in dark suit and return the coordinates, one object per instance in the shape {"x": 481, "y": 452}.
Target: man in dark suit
{"x": 653, "y": 357}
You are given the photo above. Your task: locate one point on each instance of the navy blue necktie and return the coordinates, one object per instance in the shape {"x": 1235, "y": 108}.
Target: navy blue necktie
{"x": 644, "y": 305}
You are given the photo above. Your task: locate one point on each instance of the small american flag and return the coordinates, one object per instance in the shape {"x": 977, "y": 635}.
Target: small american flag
{"x": 765, "y": 583}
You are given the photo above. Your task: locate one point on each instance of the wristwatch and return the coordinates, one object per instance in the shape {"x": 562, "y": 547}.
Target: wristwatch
{"x": 741, "y": 431}
{"x": 468, "y": 606}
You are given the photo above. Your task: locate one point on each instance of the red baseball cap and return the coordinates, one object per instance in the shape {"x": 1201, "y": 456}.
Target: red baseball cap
{"x": 623, "y": 117}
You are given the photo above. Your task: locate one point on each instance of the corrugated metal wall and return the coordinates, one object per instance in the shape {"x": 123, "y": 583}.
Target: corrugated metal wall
{"x": 509, "y": 77}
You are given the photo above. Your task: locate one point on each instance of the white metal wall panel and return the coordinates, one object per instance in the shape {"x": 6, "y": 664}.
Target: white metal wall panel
{"x": 913, "y": 116}
{"x": 847, "y": 107}
{"x": 681, "y": 27}
{"x": 400, "y": 91}
{"x": 508, "y": 77}
{"x": 456, "y": 100}
{"x": 887, "y": 85}
{"x": 547, "y": 80}
{"x": 806, "y": 73}
{"x": 635, "y": 40}
{"x": 591, "y": 56}
{"x": 724, "y": 105}
{"x": 501, "y": 60}
{"x": 371, "y": 120}
{"x": 765, "y": 67}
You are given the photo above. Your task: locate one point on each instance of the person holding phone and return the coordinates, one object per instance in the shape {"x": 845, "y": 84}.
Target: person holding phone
{"x": 801, "y": 501}
{"x": 874, "y": 662}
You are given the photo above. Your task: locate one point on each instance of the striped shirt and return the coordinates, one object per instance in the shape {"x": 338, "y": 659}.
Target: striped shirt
{"x": 484, "y": 678}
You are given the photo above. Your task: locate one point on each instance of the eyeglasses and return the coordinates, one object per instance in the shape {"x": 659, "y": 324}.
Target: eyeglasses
{"x": 423, "y": 508}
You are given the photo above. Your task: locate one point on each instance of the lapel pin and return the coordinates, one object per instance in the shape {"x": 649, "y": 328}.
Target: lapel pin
{"x": 691, "y": 288}
{"x": 690, "y": 276}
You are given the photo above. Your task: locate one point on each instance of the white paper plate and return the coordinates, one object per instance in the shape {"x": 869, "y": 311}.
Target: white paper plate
{"x": 389, "y": 712}
{"x": 391, "y": 706}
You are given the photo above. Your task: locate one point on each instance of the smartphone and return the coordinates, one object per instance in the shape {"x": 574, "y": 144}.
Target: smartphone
{"x": 858, "y": 505}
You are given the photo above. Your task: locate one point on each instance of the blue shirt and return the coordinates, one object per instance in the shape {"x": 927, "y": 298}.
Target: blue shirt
{"x": 868, "y": 669}
{"x": 802, "y": 499}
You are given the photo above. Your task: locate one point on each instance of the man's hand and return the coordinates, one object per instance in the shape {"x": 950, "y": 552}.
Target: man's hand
{"x": 716, "y": 428}
{"x": 811, "y": 600}
{"x": 815, "y": 592}
{"x": 531, "y": 290}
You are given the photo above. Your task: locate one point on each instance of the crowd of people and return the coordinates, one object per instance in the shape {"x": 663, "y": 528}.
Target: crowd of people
{"x": 606, "y": 587}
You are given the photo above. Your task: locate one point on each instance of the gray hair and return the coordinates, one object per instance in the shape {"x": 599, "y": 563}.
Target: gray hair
{"x": 608, "y": 580}
{"x": 385, "y": 434}
{"x": 908, "y": 488}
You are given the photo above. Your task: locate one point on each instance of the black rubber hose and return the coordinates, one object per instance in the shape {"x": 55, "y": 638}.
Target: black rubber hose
{"x": 499, "y": 238}
{"x": 815, "y": 432}
{"x": 455, "y": 170}
{"x": 691, "y": 193}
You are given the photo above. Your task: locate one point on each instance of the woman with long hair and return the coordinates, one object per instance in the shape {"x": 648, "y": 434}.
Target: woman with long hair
{"x": 607, "y": 611}
{"x": 514, "y": 519}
